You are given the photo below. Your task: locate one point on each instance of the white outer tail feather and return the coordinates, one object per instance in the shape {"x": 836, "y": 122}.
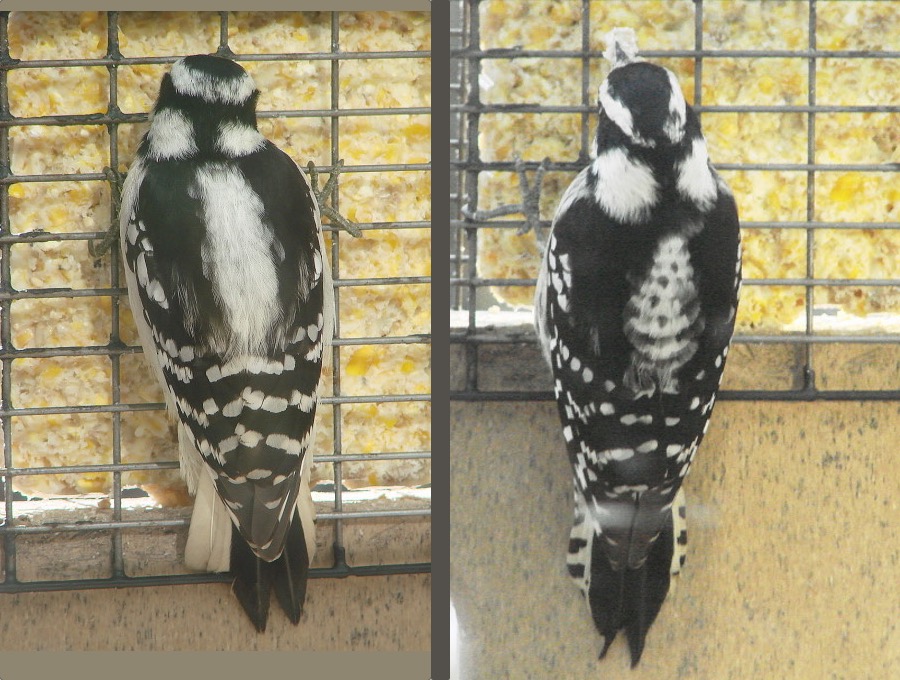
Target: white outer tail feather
{"x": 208, "y": 546}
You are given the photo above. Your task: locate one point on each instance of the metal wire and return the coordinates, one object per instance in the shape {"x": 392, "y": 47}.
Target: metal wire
{"x": 115, "y": 348}
{"x": 470, "y": 292}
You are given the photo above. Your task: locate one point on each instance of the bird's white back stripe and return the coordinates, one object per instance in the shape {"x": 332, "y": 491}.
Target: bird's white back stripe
{"x": 236, "y": 250}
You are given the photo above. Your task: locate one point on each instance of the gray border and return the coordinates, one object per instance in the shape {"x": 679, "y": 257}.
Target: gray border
{"x": 440, "y": 343}
{"x": 222, "y": 666}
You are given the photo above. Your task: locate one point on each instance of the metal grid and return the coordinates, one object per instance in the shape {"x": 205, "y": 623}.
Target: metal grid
{"x": 115, "y": 349}
{"x": 469, "y": 291}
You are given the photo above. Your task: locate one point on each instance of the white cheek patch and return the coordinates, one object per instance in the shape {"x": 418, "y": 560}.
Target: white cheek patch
{"x": 695, "y": 179}
{"x": 236, "y": 139}
{"x": 171, "y": 136}
{"x": 626, "y": 189}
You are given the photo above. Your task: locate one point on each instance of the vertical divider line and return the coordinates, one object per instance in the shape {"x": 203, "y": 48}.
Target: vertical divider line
{"x": 809, "y": 375}
{"x": 9, "y": 539}
{"x": 340, "y": 555}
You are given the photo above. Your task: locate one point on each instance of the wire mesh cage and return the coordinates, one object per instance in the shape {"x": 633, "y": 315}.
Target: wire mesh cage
{"x": 801, "y": 117}
{"x": 90, "y": 492}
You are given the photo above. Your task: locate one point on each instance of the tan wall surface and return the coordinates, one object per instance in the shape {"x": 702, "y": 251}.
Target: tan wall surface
{"x": 793, "y": 561}
{"x": 372, "y": 613}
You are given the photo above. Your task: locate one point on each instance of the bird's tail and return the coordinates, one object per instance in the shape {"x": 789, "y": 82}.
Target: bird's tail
{"x": 628, "y": 598}
{"x": 254, "y": 578}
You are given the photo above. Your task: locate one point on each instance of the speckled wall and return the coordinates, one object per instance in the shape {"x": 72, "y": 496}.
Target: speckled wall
{"x": 379, "y": 613}
{"x": 792, "y": 565}
{"x": 371, "y": 613}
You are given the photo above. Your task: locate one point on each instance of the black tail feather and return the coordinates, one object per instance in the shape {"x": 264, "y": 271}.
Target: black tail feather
{"x": 251, "y": 581}
{"x": 254, "y": 578}
{"x": 631, "y": 598}
{"x": 290, "y": 572}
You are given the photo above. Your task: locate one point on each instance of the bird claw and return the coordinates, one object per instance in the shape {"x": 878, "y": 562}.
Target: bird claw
{"x": 321, "y": 194}
{"x": 531, "y": 196}
{"x": 99, "y": 248}
{"x": 529, "y": 207}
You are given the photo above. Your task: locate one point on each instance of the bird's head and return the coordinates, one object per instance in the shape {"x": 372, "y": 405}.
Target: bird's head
{"x": 206, "y": 106}
{"x": 643, "y": 100}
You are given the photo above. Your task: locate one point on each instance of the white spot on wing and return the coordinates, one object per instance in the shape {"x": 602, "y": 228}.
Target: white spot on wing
{"x": 233, "y": 408}
{"x": 285, "y": 443}
{"x": 253, "y": 398}
{"x": 304, "y": 401}
{"x": 274, "y": 404}
{"x": 250, "y": 438}
{"x": 141, "y": 270}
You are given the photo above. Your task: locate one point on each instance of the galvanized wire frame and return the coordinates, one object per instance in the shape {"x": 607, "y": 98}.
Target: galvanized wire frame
{"x": 467, "y": 107}
{"x": 115, "y": 349}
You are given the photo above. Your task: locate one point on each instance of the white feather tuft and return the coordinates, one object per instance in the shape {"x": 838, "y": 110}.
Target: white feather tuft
{"x": 621, "y": 47}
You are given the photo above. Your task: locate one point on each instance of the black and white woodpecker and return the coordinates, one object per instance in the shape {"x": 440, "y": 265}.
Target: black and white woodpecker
{"x": 232, "y": 296}
{"x": 635, "y": 308}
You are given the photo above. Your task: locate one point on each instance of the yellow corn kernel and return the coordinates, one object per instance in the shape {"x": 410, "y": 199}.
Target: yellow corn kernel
{"x": 846, "y": 188}
{"x": 418, "y": 130}
{"x": 361, "y": 360}
{"x": 57, "y": 216}
{"x": 51, "y": 372}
